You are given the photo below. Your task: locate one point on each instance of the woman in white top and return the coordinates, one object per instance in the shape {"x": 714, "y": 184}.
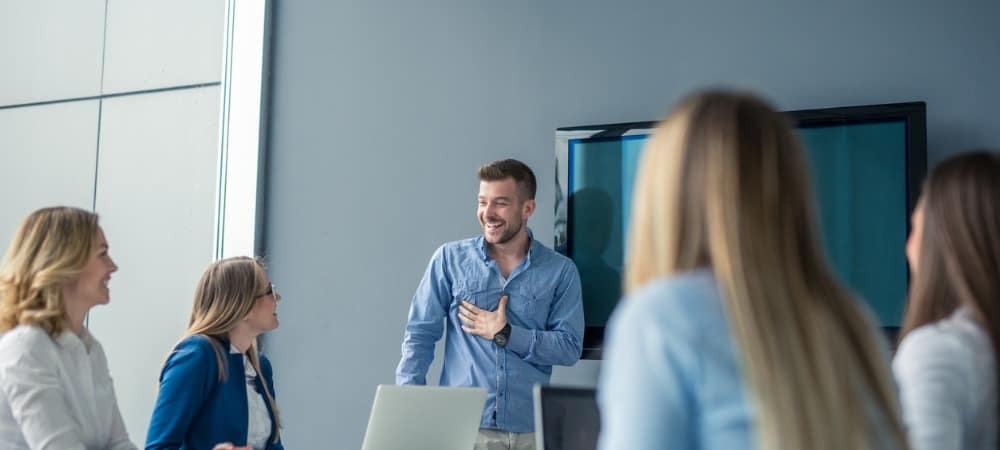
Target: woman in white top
{"x": 946, "y": 362}
{"x": 55, "y": 389}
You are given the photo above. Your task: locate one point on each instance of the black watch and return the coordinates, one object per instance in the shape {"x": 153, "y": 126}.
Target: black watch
{"x": 502, "y": 336}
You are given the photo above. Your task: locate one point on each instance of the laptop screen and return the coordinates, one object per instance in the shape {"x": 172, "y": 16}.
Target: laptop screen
{"x": 566, "y": 418}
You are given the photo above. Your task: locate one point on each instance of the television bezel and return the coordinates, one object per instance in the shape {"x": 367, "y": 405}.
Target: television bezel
{"x": 914, "y": 114}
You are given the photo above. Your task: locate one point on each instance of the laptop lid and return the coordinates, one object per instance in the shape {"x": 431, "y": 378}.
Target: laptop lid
{"x": 424, "y": 418}
{"x": 566, "y": 418}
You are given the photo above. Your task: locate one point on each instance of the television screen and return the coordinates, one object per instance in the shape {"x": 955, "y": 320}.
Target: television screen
{"x": 866, "y": 161}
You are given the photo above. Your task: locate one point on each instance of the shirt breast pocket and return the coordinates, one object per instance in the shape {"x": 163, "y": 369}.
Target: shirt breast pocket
{"x": 530, "y": 308}
{"x": 476, "y": 292}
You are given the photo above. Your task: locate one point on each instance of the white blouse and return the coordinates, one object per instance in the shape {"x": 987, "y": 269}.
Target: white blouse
{"x": 57, "y": 394}
{"x": 259, "y": 421}
{"x": 947, "y": 379}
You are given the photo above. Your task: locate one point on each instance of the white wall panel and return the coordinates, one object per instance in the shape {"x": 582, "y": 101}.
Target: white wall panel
{"x": 47, "y": 157}
{"x": 51, "y": 49}
{"x": 154, "y": 44}
{"x": 156, "y": 194}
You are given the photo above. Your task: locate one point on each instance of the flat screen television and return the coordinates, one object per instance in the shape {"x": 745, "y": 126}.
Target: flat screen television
{"x": 867, "y": 165}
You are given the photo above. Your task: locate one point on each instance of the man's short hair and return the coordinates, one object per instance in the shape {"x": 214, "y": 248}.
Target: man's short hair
{"x": 511, "y": 168}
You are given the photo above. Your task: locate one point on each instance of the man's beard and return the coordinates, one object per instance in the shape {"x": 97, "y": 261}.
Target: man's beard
{"x": 509, "y": 235}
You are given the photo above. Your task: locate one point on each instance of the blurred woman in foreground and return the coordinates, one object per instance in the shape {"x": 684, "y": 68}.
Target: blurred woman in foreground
{"x": 734, "y": 332}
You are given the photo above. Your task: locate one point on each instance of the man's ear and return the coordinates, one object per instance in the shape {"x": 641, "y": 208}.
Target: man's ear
{"x": 529, "y": 209}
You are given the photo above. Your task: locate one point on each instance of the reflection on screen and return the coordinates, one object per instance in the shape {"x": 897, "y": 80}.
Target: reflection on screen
{"x": 859, "y": 176}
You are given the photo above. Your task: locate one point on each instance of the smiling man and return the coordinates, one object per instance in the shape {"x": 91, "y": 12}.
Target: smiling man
{"x": 512, "y": 309}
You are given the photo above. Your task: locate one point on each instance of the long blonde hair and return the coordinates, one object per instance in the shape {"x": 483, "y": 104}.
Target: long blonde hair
{"x": 225, "y": 295}
{"x": 49, "y": 250}
{"x": 723, "y": 184}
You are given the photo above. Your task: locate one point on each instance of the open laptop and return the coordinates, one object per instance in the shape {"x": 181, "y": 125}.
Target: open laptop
{"x": 566, "y": 418}
{"x": 424, "y": 418}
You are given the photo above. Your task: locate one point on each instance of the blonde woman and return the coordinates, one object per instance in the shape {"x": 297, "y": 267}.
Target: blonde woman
{"x": 946, "y": 365}
{"x": 734, "y": 333}
{"x": 215, "y": 387}
{"x": 55, "y": 389}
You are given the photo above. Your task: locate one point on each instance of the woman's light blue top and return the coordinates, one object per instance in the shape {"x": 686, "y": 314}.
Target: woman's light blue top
{"x": 671, "y": 377}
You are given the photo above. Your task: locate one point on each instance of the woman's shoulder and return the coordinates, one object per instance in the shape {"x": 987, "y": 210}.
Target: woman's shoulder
{"x": 195, "y": 342}
{"x": 24, "y": 333}
{"x": 956, "y": 332}
{"x": 27, "y": 345}
{"x": 690, "y": 294}
{"x": 683, "y": 305}
{"x": 193, "y": 349}
{"x": 25, "y": 338}
{"x": 955, "y": 341}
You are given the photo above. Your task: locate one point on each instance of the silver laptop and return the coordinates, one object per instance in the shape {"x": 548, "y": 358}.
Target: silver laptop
{"x": 566, "y": 418}
{"x": 424, "y": 418}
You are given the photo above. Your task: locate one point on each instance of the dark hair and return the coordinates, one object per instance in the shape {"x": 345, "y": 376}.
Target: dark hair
{"x": 960, "y": 249}
{"x": 959, "y": 255}
{"x": 511, "y": 168}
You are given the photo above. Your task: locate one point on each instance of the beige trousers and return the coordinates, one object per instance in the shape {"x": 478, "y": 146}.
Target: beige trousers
{"x": 503, "y": 440}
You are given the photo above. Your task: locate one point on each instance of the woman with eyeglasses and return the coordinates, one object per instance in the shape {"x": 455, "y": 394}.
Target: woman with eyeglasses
{"x": 216, "y": 390}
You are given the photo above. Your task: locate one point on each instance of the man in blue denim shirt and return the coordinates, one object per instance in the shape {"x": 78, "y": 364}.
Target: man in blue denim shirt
{"x": 512, "y": 307}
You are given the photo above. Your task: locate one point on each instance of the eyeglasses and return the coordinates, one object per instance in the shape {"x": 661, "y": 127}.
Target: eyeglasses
{"x": 270, "y": 291}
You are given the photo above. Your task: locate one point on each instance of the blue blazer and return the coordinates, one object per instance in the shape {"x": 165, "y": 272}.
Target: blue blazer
{"x": 193, "y": 409}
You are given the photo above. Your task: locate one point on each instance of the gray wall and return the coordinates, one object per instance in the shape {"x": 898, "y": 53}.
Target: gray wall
{"x": 113, "y": 105}
{"x": 381, "y": 111}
